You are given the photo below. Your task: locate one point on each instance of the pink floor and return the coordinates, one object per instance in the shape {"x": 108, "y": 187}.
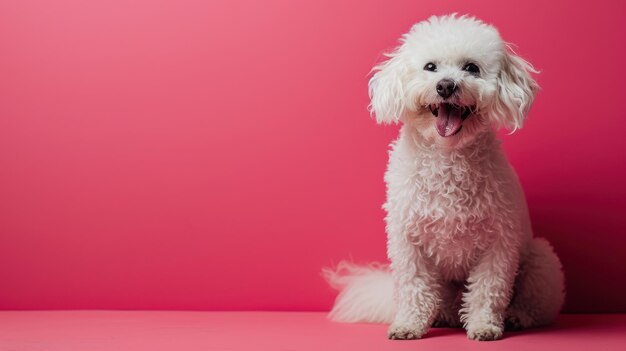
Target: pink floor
{"x": 258, "y": 331}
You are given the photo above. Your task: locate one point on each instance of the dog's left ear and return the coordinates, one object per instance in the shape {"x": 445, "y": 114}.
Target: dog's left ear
{"x": 516, "y": 92}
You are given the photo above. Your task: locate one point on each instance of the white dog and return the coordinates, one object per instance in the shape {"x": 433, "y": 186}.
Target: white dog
{"x": 459, "y": 237}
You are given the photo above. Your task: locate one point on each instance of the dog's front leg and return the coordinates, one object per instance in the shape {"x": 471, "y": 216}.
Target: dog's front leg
{"x": 489, "y": 292}
{"x": 416, "y": 290}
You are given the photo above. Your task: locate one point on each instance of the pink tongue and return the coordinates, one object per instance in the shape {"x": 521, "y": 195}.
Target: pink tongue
{"x": 449, "y": 120}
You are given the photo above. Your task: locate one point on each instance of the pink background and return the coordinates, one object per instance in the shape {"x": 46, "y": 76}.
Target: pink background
{"x": 217, "y": 154}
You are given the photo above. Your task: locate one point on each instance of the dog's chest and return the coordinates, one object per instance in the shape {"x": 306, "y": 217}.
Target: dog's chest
{"x": 452, "y": 244}
{"x": 454, "y": 219}
{"x": 451, "y": 210}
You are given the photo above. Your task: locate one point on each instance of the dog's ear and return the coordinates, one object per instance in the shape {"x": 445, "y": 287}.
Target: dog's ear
{"x": 386, "y": 90}
{"x": 515, "y": 93}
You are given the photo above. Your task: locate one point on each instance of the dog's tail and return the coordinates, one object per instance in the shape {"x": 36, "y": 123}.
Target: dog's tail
{"x": 365, "y": 293}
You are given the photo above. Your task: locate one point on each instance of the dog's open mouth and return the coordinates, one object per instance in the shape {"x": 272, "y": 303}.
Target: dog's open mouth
{"x": 450, "y": 117}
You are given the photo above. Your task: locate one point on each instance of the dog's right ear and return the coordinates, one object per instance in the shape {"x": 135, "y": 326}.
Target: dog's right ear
{"x": 386, "y": 90}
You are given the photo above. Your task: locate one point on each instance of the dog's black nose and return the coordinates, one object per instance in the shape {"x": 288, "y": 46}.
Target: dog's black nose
{"x": 445, "y": 88}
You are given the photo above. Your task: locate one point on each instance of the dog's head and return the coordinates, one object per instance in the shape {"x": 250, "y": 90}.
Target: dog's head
{"x": 451, "y": 78}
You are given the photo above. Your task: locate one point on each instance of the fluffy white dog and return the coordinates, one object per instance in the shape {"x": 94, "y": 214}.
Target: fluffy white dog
{"x": 460, "y": 242}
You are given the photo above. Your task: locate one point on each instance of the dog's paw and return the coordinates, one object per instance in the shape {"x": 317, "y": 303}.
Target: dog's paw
{"x": 401, "y": 332}
{"x": 486, "y": 332}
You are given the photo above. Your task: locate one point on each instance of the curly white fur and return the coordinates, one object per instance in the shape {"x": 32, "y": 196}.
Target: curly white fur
{"x": 459, "y": 235}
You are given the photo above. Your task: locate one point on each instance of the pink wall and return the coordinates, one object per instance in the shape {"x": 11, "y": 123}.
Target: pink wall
{"x": 217, "y": 154}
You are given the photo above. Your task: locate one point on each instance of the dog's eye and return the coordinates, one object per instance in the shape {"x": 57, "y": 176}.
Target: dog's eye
{"x": 471, "y": 68}
{"x": 430, "y": 67}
